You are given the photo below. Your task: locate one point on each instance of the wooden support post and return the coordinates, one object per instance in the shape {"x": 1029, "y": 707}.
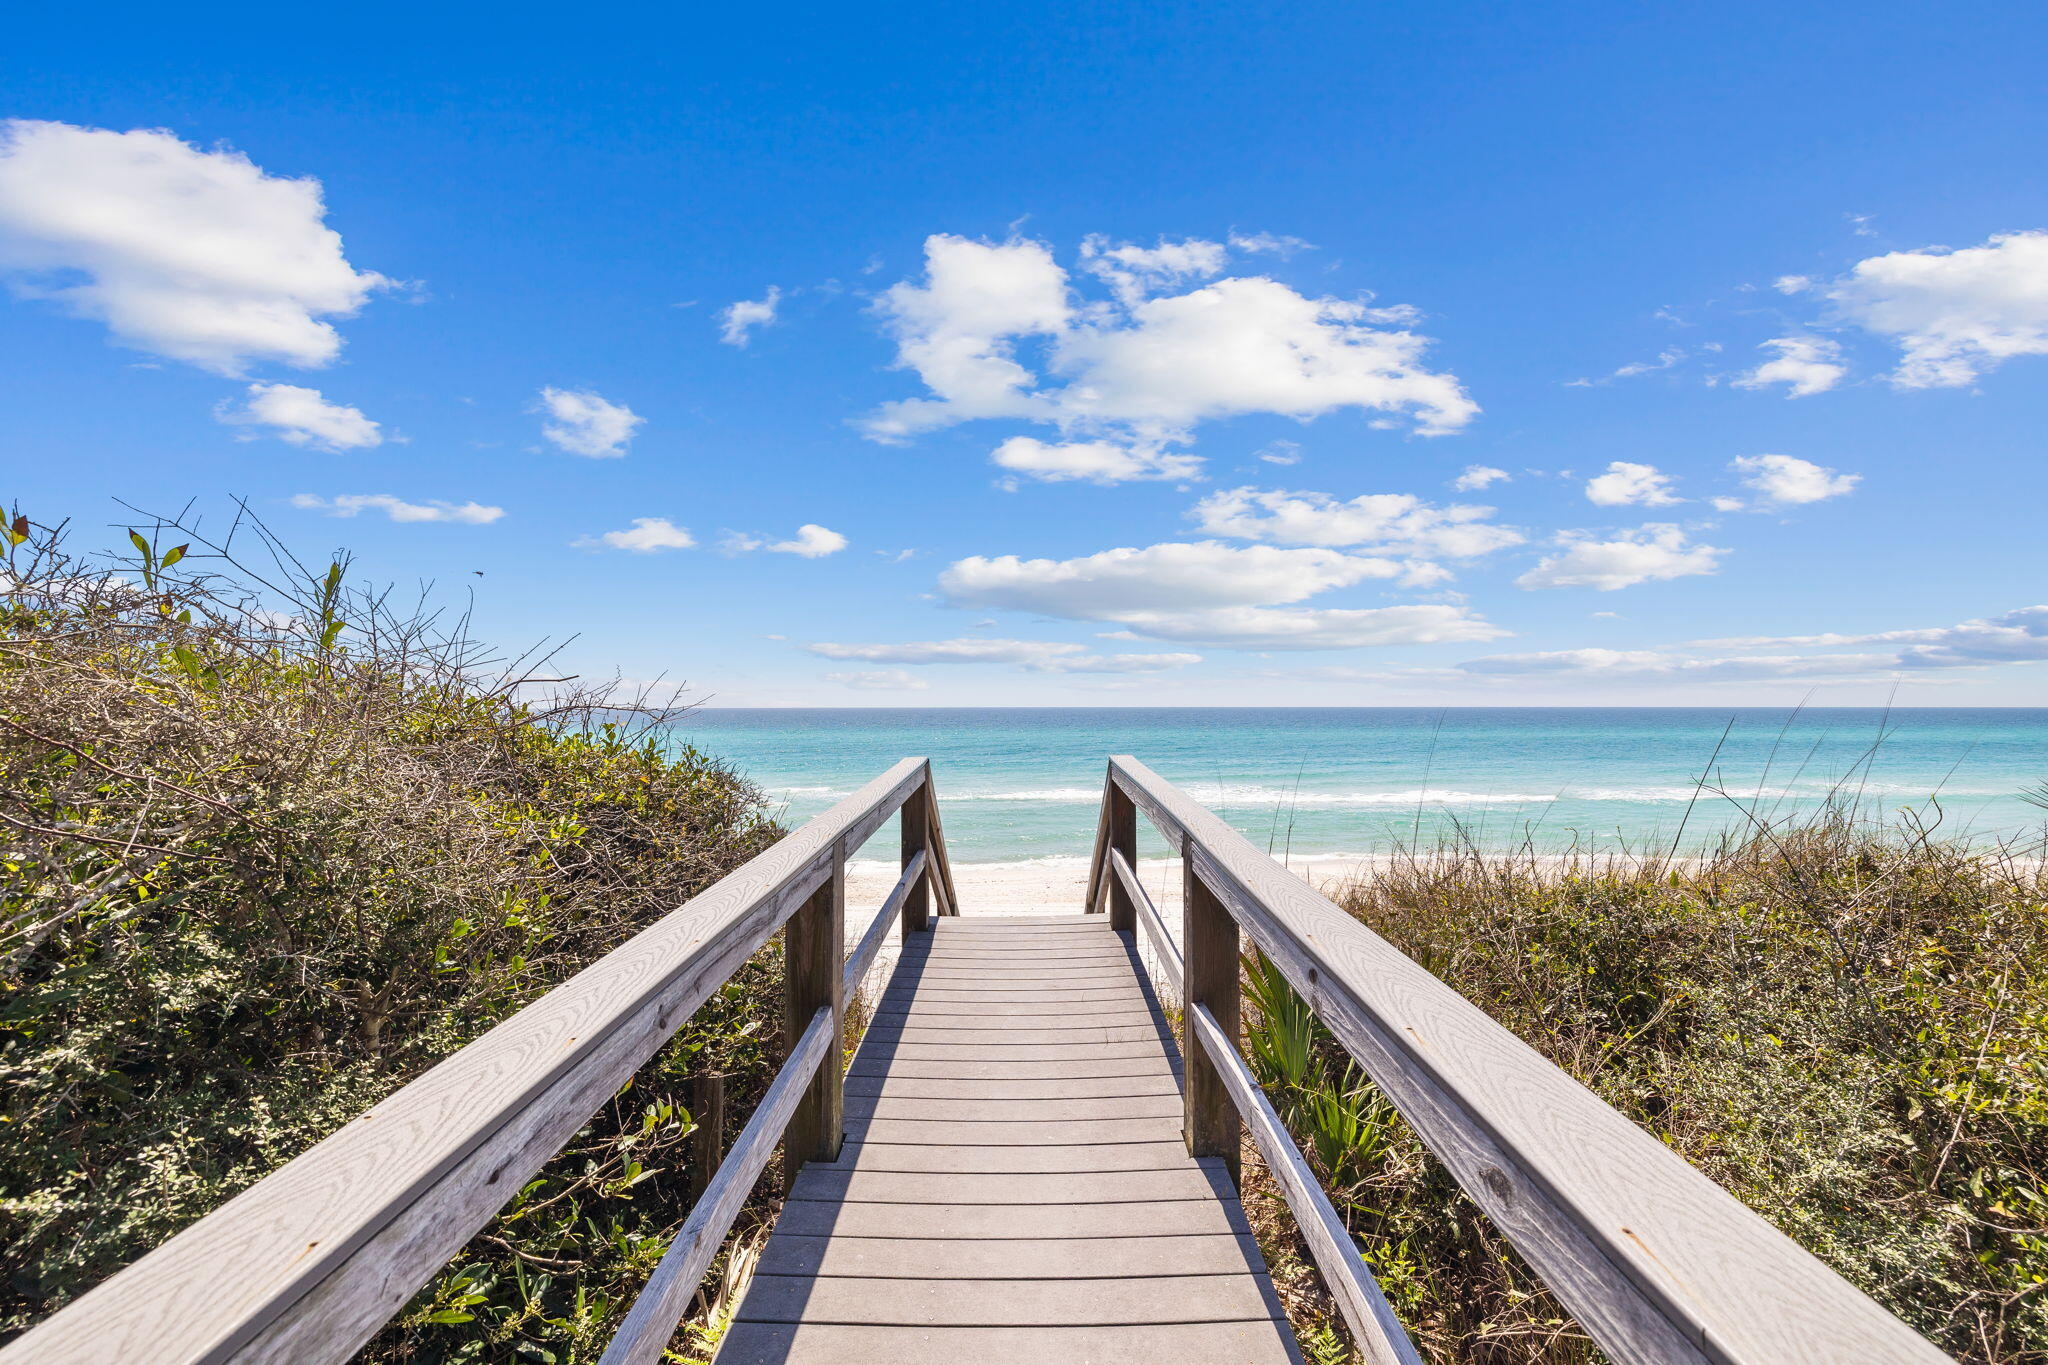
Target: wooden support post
{"x": 1212, "y": 1127}
{"x": 1122, "y": 837}
{"x": 813, "y": 945}
{"x": 917, "y": 834}
{"x": 707, "y": 1144}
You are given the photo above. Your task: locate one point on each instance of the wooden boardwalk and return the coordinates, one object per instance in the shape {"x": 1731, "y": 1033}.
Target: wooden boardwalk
{"x": 1014, "y": 1186}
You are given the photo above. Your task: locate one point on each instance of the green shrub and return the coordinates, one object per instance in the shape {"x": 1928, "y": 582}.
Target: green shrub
{"x": 1845, "y": 1025}
{"x": 271, "y": 849}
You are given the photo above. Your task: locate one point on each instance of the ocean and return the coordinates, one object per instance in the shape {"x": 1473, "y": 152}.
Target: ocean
{"x": 1020, "y": 784}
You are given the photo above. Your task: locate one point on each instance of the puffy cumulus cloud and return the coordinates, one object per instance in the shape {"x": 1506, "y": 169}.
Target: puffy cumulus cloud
{"x": 646, "y": 536}
{"x": 811, "y": 541}
{"x": 582, "y": 423}
{"x": 1804, "y": 364}
{"x": 1786, "y": 480}
{"x": 1477, "y": 477}
{"x": 958, "y": 331}
{"x": 1652, "y": 553}
{"x": 349, "y": 504}
{"x": 301, "y": 416}
{"x": 1094, "y": 461}
{"x": 879, "y": 680}
{"x": 1144, "y": 367}
{"x": 199, "y": 256}
{"x": 1398, "y": 522}
{"x": 1176, "y": 576}
{"x": 1626, "y": 484}
{"x": 1038, "y": 656}
{"x": 737, "y": 321}
{"x": 1251, "y": 345}
{"x": 1953, "y": 314}
{"x": 1206, "y": 592}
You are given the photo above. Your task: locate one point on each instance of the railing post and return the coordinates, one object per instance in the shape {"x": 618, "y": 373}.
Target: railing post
{"x": 1211, "y": 1126}
{"x": 812, "y": 948}
{"x": 707, "y": 1148}
{"x": 917, "y": 836}
{"x": 1121, "y": 836}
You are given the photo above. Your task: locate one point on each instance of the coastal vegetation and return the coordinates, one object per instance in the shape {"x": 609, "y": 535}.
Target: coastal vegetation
{"x": 1842, "y": 1021}
{"x": 272, "y": 846}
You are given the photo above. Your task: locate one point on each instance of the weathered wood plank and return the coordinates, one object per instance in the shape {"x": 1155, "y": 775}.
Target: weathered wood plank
{"x": 762, "y": 1343}
{"x": 1655, "y": 1260}
{"x": 1159, "y": 1082}
{"x": 1041, "y": 1187}
{"x": 1008, "y": 1303}
{"x": 830, "y": 1218}
{"x": 1012, "y": 1111}
{"x": 1083, "y": 1258}
{"x": 305, "y": 1265}
{"x": 1155, "y": 927}
{"x": 1212, "y": 1126}
{"x": 1096, "y": 1156}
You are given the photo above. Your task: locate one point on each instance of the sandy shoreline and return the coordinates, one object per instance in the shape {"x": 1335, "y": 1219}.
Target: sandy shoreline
{"x": 1058, "y": 886}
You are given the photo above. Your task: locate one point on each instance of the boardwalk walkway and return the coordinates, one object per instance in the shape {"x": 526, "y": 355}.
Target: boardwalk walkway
{"x": 1014, "y": 1186}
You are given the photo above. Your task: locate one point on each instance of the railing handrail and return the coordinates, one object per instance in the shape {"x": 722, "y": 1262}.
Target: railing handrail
{"x": 305, "y": 1265}
{"x": 1658, "y": 1263}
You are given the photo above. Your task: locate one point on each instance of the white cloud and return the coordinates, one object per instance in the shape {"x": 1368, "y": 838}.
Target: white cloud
{"x": 1314, "y": 627}
{"x": 811, "y": 541}
{"x": 1653, "y": 553}
{"x": 1792, "y": 284}
{"x": 961, "y": 651}
{"x": 1132, "y": 272}
{"x": 193, "y": 255}
{"x": 1806, "y": 364}
{"x": 1038, "y": 656}
{"x": 2017, "y": 637}
{"x": 582, "y": 423}
{"x": 1210, "y": 593}
{"x": 1281, "y": 453}
{"x": 349, "y": 504}
{"x": 879, "y": 680}
{"x": 1721, "y": 504}
{"x": 1953, "y": 314}
{"x": 958, "y": 331}
{"x": 1787, "y": 480}
{"x": 1477, "y": 477}
{"x": 1173, "y": 577}
{"x": 1625, "y": 484}
{"x": 1666, "y": 358}
{"x": 1398, "y": 522}
{"x": 302, "y": 417}
{"x": 737, "y": 321}
{"x": 1103, "y": 462}
{"x": 646, "y": 536}
{"x": 1144, "y": 369}
{"x": 1263, "y": 243}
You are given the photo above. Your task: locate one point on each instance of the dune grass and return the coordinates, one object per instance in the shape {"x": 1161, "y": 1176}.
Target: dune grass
{"x": 1843, "y": 1021}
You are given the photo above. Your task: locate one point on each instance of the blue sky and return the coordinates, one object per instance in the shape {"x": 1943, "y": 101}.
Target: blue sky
{"x": 1085, "y": 355}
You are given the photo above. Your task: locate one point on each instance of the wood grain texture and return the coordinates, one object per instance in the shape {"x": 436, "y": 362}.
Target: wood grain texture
{"x": 304, "y": 1266}
{"x": 1657, "y": 1262}
{"x": 1375, "y": 1331}
{"x": 916, "y": 906}
{"x": 652, "y": 1321}
{"x": 1122, "y": 818}
{"x": 812, "y": 980}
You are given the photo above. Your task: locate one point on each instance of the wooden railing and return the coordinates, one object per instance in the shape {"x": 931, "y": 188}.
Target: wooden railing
{"x": 1658, "y": 1263}
{"x": 307, "y": 1264}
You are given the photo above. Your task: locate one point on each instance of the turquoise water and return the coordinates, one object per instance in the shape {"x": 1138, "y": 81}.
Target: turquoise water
{"x": 1025, "y": 783}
